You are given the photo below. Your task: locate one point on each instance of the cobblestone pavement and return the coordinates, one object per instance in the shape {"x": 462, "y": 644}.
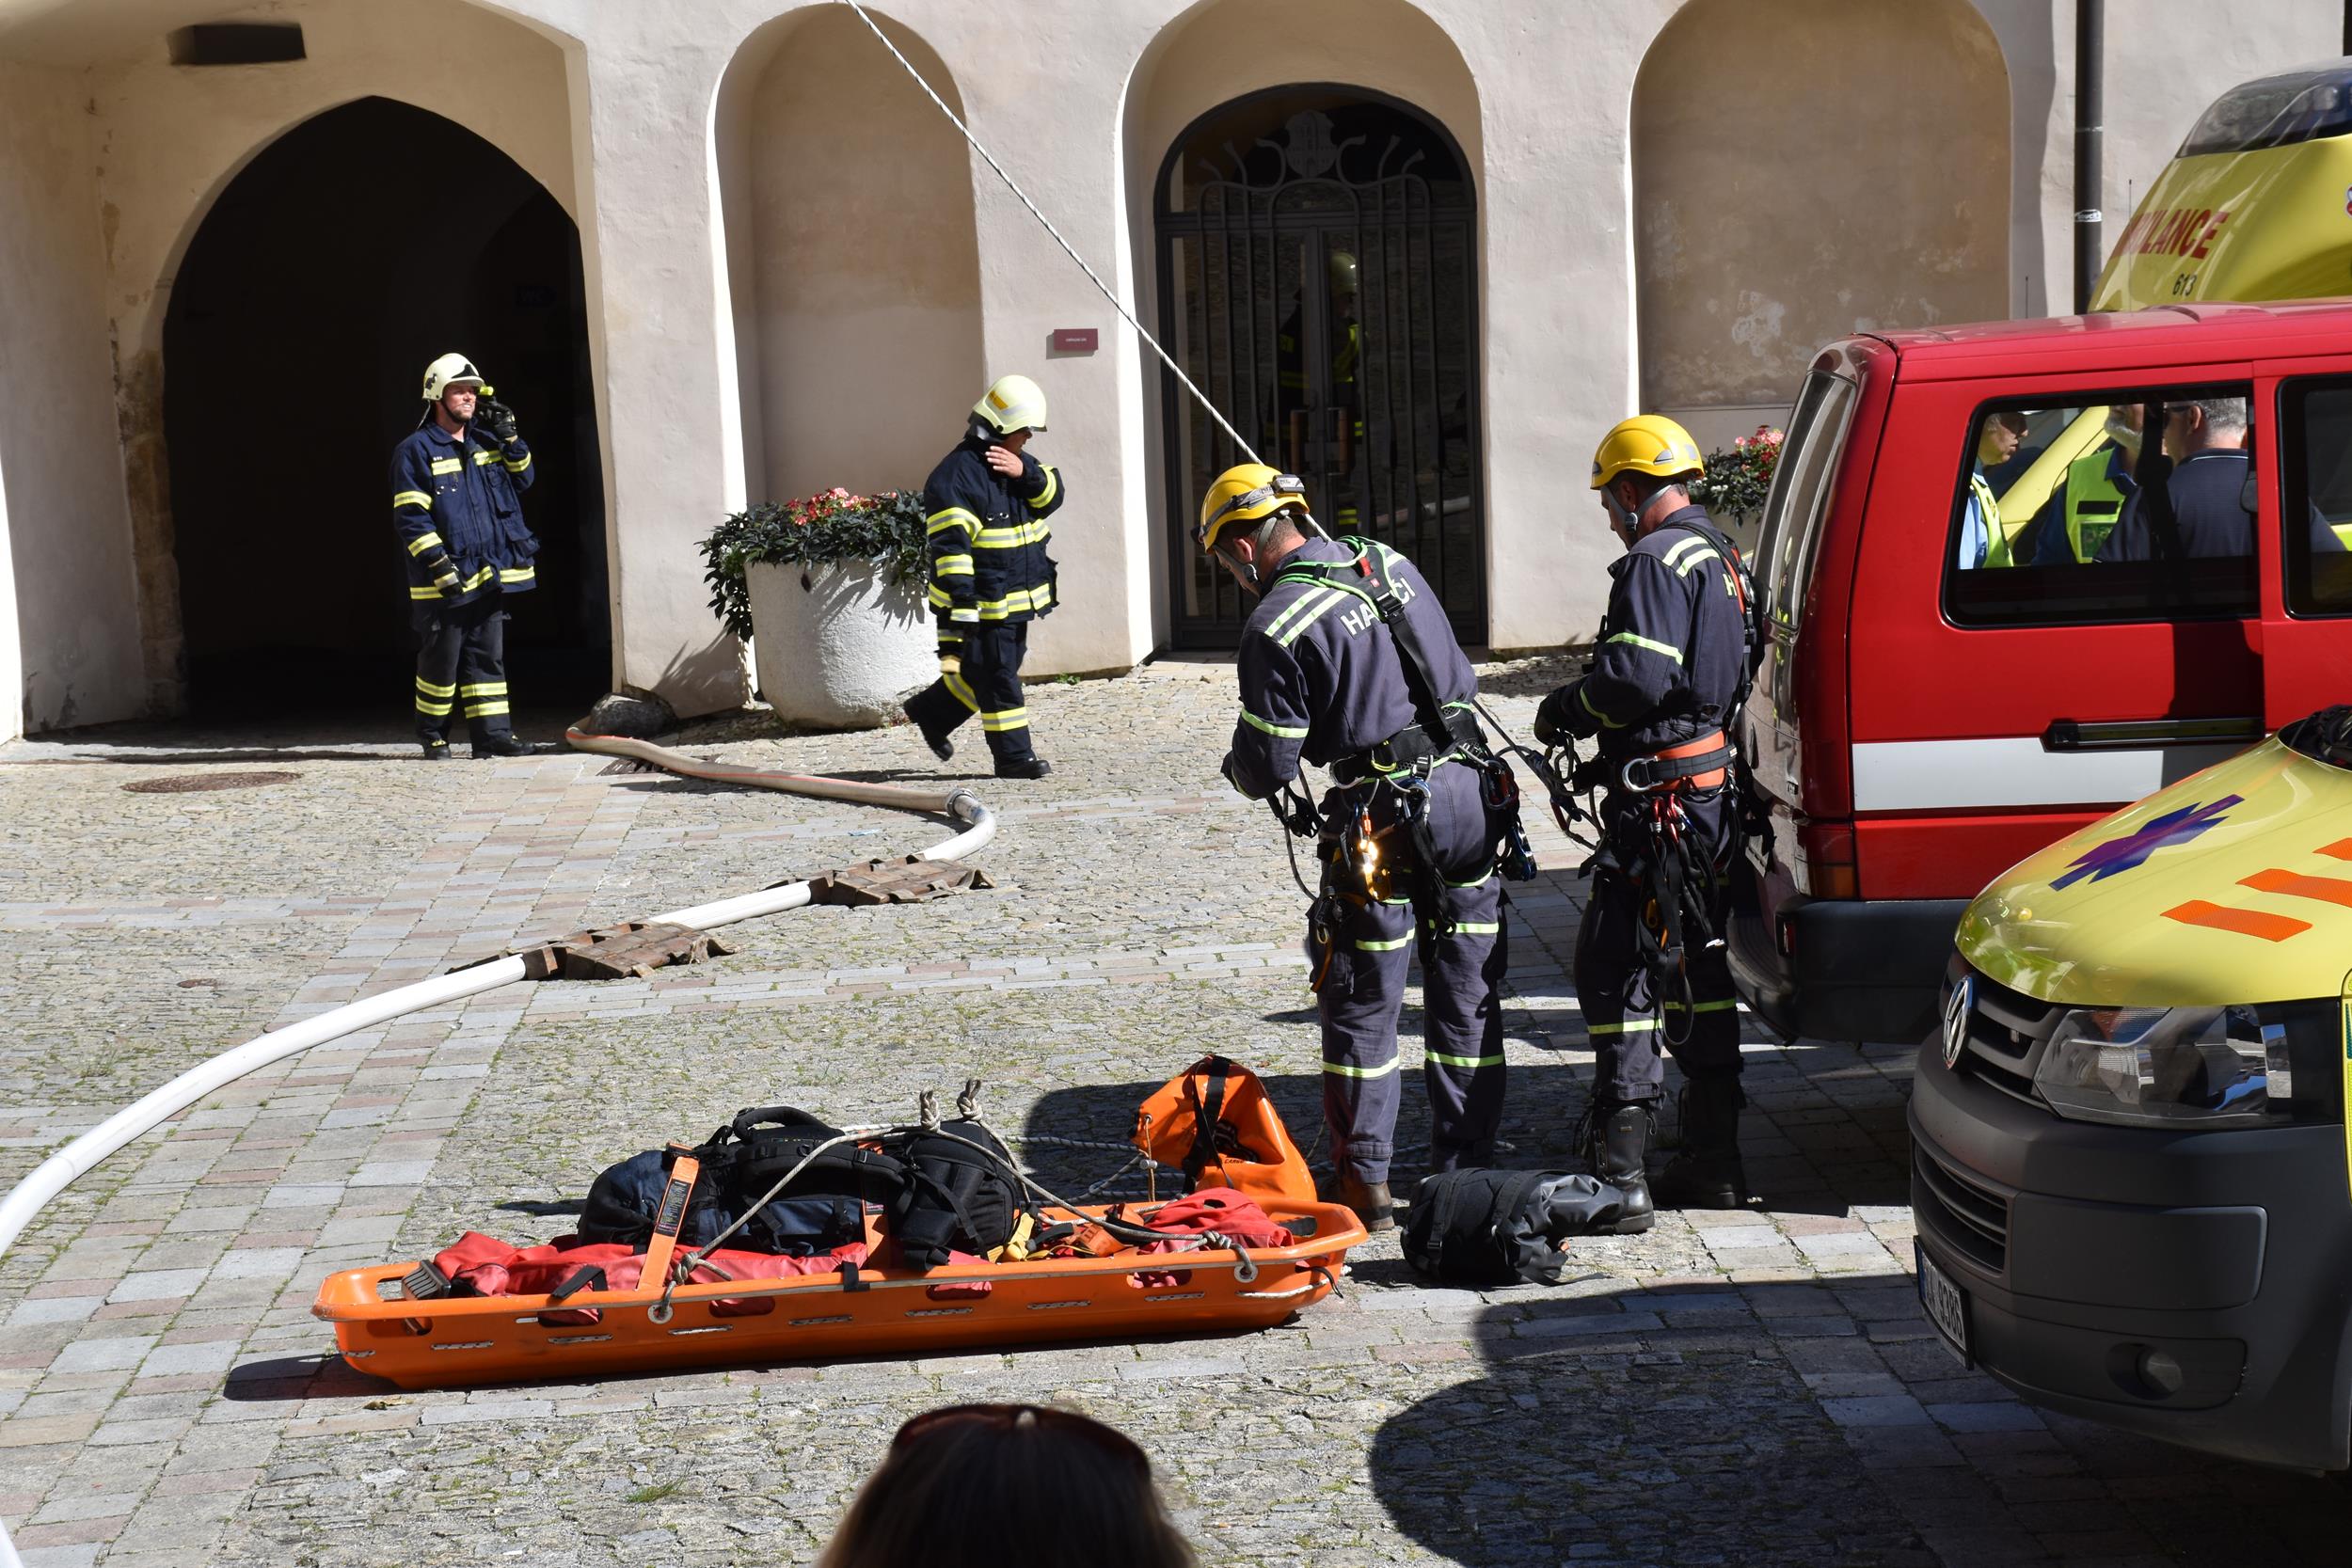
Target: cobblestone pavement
{"x": 1752, "y": 1387}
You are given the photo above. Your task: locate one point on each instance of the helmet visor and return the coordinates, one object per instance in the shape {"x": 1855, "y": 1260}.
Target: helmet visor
{"x": 1280, "y": 485}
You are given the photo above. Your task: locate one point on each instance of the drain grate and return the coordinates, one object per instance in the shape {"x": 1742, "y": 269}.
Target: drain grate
{"x": 624, "y": 765}
{"x": 193, "y": 783}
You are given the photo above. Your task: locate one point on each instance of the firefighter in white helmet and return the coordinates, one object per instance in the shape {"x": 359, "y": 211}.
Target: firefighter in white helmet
{"x": 457, "y": 484}
{"x": 989, "y": 576}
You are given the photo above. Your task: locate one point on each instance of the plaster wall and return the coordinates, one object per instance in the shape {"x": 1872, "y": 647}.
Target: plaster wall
{"x": 70, "y": 653}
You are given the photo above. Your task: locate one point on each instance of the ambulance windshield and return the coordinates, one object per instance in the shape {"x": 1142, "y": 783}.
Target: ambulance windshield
{"x": 2277, "y": 111}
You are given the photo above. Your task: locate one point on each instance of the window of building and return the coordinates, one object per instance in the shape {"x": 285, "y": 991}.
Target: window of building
{"x": 2050, "y": 525}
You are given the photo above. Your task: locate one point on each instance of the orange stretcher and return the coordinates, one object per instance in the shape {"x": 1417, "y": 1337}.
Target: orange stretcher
{"x": 858, "y": 1312}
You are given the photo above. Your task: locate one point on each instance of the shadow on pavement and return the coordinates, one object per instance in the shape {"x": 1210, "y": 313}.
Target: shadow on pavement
{"x": 1712, "y": 1424}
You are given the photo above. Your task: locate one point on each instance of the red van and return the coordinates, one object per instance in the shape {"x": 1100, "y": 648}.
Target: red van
{"x": 1974, "y": 648}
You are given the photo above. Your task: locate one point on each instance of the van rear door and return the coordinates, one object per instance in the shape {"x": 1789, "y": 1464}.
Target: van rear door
{"x": 2306, "y": 535}
{"x": 2016, "y": 676}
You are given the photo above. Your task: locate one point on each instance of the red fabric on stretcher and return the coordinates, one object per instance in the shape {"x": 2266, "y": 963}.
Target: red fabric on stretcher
{"x": 1231, "y": 1214}
{"x": 490, "y": 1267}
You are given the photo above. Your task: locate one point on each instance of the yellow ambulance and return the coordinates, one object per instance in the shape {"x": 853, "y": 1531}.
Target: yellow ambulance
{"x": 2256, "y": 205}
{"x": 2130, "y": 1172}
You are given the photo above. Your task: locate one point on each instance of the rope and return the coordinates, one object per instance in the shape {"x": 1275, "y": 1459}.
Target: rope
{"x": 1128, "y": 316}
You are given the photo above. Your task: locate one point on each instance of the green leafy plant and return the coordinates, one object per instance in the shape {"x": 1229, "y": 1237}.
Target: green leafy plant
{"x": 885, "y": 529}
{"x": 1736, "y": 481}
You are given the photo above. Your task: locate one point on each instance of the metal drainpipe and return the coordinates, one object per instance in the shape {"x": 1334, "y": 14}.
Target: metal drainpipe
{"x": 2090, "y": 111}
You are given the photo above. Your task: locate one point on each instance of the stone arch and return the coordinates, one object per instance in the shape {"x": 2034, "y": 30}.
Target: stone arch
{"x": 1778, "y": 202}
{"x": 301, "y": 314}
{"x": 852, "y": 255}
{"x": 1226, "y": 53}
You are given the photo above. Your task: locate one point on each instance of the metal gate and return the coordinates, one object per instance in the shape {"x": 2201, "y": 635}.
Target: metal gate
{"x": 1318, "y": 267}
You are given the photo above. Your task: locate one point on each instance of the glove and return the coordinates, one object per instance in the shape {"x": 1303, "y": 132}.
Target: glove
{"x": 443, "y": 571}
{"x": 496, "y": 418}
{"x": 1554, "y": 721}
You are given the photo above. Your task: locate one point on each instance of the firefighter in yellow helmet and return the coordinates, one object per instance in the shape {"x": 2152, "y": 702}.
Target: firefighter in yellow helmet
{"x": 1669, "y": 672}
{"x": 989, "y": 576}
{"x": 1347, "y": 662}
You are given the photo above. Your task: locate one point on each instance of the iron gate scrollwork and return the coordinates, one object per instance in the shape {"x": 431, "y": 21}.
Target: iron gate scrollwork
{"x": 1318, "y": 274}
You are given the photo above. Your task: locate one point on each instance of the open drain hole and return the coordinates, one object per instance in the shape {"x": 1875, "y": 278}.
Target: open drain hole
{"x": 193, "y": 783}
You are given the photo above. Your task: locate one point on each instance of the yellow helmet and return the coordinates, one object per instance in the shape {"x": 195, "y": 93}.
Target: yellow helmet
{"x": 1343, "y": 273}
{"x": 1012, "y": 402}
{"x": 1645, "y": 444}
{"x": 1246, "y": 493}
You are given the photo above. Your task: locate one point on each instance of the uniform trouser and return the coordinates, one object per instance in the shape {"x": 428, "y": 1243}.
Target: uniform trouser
{"x": 461, "y": 667}
{"x": 988, "y": 686}
{"x": 1462, "y": 963}
{"x": 1625, "y": 1017}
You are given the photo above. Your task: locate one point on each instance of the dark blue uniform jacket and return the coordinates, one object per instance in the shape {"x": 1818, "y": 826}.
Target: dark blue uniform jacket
{"x": 988, "y": 536}
{"x": 459, "y": 497}
{"x": 1321, "y": 679}
{"x": 1672, "y": 646}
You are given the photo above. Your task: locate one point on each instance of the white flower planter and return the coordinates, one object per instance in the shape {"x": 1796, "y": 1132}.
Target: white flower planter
{"x": 836, "y": 645}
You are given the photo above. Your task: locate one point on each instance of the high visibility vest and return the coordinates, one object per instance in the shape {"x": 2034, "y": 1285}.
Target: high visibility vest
{"x": 2094, "y": 502}
{"x": 1989, "y": 505}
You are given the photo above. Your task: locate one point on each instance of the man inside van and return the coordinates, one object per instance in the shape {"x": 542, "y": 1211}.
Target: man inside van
{"x": 2084, "y": 510}
{"x": 2205, "y": 438}
{"x": 1981, "y": 541}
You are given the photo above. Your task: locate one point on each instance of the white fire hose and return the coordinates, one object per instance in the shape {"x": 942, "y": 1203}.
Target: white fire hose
{"x": 25, "y": 1200}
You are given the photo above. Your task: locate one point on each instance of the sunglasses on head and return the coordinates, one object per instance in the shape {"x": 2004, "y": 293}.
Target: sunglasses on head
{"x": 1281, "y": 485}
{"x": 1013, "y": 1418}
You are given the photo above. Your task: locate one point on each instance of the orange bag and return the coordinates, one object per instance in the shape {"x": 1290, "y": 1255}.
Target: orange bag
{"x": 1214, "y": 1121}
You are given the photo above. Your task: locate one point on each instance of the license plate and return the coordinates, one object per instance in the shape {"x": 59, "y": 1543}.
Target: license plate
{"x": 1947, "y": 1305}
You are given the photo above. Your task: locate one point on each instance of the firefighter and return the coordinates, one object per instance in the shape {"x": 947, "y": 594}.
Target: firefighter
{"x": 457, "y": 484}
{"x": 1668, "y": 668}
{"x": 987, "y": 503}
{"x": 1407, "y": 837}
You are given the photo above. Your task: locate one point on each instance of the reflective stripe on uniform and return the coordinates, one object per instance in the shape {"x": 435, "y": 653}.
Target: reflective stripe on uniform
{"x": 423, "y": 542}
{"x": 1585, "y": 699}
{"x": 1344, "y": 1070}
{"x": 1724, "y": 1007}
{"x": 960, "y": 689}
{"x": 485, "y": 455}
{"x": 425, "y": 592}
{"x": 1640, "y": 641}
{"x": 484, "y": 710}
{"x": 516, "y": 465}
{"x": 1444, "y": 1060}
{"x": 1053, "y": 487}
{"x": 1480, "y": 882}
{"x": 1631, "y": 1026}
{"x": 447, "y": 465}
{"x": 432, "y": 691}
{"x": 518, "y": 574}
{"x": 478, "y": 579}
{"x": 1474, "y": 928}
{"x": 1290, "y": 634}
{"x": 1297, "y": 605}
{"x": 1696, "y": 561}
{"x": 1387, "y": 946}
{"x": 482, "y": 688}
{"x": 1031, "y": 599}
{"x": 951, "y": 516}
{"x": 1281, "y": 732}
{"x": 431, "y": 709}
{"x": 1006, "y": 719}
{"x": 412, "y": 497}
{"x": 1012, "y": 538}
{"x": 952, "y": 567}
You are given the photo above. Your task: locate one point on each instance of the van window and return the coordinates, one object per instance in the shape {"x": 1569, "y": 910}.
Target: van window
{"x": 2316, "y": 451}
{"x": 1799, "y": 499}
{"x": 2277, "y": 111}
{"x": 2049, "y": 525}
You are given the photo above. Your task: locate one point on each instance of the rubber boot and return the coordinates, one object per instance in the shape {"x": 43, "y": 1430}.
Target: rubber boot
{"x": 1708, "y": 1174}
{"x": 1615, "y": 1147}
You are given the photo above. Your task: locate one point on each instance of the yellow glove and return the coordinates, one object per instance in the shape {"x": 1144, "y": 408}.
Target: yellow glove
{"x": 951, "y": 664}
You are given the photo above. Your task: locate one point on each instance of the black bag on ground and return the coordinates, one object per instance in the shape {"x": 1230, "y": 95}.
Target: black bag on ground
{"x": 956, "y": 1197}
{"x": 1501, "y": 1227}
{"x": 823, "y": 1206}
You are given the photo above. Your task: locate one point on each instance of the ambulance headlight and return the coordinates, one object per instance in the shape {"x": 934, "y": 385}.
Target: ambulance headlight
{"x": 2200, "y": 1067}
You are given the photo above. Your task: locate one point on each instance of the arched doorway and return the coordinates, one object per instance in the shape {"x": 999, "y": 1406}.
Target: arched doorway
{"x": 1318, "y": 279}
{"x": 343, "y": 258}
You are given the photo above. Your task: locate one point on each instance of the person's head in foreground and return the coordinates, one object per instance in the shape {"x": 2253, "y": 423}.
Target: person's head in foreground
{"x": 979, "y": 1485}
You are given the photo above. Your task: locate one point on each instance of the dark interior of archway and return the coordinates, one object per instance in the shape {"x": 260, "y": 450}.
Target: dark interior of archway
{"x": 346, "y": 256}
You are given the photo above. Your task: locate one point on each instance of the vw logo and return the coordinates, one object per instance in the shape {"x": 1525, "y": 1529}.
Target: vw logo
{"x": 1957, "y": 1006}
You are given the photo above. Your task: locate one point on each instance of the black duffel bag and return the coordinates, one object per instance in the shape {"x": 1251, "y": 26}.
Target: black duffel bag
{"x": 1478, "y": 1226}
{"x": 956, "y": 1197}
{"x": 823, "y": 1206}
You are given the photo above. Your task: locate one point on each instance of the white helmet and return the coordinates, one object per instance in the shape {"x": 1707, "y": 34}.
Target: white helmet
{"x": 450, "y": 370}
{"x": 1012, "y": 402}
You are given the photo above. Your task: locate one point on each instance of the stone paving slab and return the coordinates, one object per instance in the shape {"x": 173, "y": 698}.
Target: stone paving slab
{"x": 1754, "y": 1388}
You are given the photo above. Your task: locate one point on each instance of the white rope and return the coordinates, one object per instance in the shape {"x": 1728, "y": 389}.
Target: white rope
{"x": 1128, "y": 316}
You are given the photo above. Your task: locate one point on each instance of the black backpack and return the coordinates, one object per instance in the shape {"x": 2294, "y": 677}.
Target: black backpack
{"x": 1502, "y": 1226}
{"x": 823, "y": 1207}
{"x": 955, "y": 1196}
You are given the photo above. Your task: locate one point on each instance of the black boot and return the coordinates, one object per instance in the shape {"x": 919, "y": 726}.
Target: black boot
{"x": 1023, "y": 768}
{"x": 1708, "y": 1174}
{"x": 1616, "y": 1137}
{"x": 506, "y": 746}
